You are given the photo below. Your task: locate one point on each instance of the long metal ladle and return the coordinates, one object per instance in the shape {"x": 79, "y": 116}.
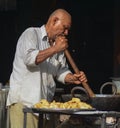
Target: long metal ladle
{"x": 77, "y": 71}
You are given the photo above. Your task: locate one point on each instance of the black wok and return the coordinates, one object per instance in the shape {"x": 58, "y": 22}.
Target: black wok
{"x": 107, "y": 102}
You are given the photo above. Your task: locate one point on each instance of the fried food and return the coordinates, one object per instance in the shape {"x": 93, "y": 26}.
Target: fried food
{"x": 42, "y": 104}
{"x": 74, "y": 103}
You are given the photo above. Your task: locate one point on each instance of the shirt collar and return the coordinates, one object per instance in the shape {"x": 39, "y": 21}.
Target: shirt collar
{"x": 44, "y": 33}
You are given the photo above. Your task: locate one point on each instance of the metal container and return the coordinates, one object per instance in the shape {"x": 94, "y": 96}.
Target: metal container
{"x": 3, "y": 109}
{"x": 116, "y": 81}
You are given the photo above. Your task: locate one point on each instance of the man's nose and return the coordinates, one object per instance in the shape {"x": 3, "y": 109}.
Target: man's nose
{"x": 66, "y": 32}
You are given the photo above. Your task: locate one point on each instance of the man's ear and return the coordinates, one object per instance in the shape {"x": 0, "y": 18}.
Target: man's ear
{"x": 55, "y": 20}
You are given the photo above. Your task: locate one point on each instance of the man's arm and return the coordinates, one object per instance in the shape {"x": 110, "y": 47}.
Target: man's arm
{"x": 60, "y": 45}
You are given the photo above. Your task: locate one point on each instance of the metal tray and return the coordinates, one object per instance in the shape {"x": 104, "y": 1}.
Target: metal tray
{"x": 56, "y": 110}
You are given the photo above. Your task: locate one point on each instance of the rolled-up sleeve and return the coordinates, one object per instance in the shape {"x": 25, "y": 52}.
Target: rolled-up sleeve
{"x": 62, "y": 76}
{"x": 31, "y": 57}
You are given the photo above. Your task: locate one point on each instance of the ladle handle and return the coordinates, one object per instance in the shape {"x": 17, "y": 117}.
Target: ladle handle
{"x": 77, "y": 71}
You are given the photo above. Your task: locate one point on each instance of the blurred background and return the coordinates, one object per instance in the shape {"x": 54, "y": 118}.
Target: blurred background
{"x": 94, "y": 39}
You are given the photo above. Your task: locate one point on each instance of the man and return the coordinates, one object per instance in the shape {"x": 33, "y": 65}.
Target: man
{"x": 39, "y": 59}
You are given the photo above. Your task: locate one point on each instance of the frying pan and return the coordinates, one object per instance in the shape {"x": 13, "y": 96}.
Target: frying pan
{"x": 105, "y": 102}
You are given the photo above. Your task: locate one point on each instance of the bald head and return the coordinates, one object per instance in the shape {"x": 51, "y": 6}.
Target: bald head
{"x": 60, "y": 13}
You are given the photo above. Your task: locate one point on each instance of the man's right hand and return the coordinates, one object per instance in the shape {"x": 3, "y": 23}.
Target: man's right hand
{"x": 61, "y": 43}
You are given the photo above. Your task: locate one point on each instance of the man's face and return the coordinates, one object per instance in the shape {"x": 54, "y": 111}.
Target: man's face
{"x": 61, "y": 27}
